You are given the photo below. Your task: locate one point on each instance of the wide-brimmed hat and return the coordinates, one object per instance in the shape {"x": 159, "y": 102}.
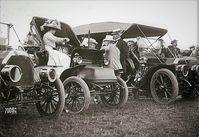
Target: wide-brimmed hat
{"x": 51, "y": 24}
{"x": 173, "y": 41}
{"x": 116, "y": 31}
{"x": 109, "y": 38}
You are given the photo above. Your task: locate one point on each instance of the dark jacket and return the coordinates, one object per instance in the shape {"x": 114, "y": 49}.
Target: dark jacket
{"x": 124, "y": 49}
{"x": 173, "y": 51}
{"x": 124, "y": 54}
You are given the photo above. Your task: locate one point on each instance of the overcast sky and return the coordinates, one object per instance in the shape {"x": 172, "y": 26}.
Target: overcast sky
{"x": 179, "y": 17}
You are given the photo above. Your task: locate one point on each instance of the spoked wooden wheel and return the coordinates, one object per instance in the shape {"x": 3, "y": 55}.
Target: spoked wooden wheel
{"x": 52, "y": 99}
{"x": 164, "y": 86}
{"x": 116, "y": 94}
{"x": 77, "y": 95}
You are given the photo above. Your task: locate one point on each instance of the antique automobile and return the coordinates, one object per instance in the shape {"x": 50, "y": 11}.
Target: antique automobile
{"x": 165, "y": 77}
{"x": 21, "y": 83}
{"x": 162, "y": 78}
{"x": 86, "y": 75}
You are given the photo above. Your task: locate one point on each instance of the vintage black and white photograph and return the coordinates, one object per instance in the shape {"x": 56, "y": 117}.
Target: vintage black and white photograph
{"x": 99, "y": 68}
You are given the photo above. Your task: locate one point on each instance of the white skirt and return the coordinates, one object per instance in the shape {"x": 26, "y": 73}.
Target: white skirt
{"x": 57, "y": 58}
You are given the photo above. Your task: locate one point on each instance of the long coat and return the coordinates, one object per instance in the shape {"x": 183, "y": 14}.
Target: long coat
{"x": 124, "y": 49}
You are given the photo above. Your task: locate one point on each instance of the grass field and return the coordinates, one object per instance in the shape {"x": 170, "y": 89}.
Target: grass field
{"x": 141, "y": 117}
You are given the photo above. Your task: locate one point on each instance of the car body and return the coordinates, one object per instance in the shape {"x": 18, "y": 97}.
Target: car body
{"x": 22, "y": 83}
{"x": 86, "y": 75}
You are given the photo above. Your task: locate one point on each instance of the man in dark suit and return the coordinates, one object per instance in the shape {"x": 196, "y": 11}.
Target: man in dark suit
{"x": 124, "y": 49}
{"x": 173, "y": 50}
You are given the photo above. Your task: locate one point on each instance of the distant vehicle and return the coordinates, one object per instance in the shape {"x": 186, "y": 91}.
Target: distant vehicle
{"x": 86, "y": 75}
{"x": 165, "y": 78}
{"x": 21, "y": 83}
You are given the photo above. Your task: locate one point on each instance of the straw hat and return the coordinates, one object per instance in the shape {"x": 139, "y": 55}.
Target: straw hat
{"x": 109, "y": 38}
{"x": 51, "y": 24}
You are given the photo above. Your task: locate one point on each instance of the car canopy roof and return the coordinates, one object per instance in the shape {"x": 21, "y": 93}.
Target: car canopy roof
{"x": 65, "y": 31}
{"x": 101, "y": 27}
{"x": 136, "y": 30}
{"x": 98, "y": 31}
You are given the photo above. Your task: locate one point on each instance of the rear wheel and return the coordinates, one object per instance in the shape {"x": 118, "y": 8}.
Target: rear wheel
{"x": 117, "y": 94}
{"x": 52, "y": 99}
{"x": 164, "y": 86}
{"x": 77, "y": 95}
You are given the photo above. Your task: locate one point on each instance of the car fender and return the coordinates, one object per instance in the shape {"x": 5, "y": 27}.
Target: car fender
{"x": 70, "y": 72}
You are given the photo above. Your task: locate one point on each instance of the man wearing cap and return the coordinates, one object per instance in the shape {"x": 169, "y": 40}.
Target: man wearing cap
{"x": 55, "y": 57}
{"x": 173, "y": 50}
{"x": 193, "y": 51}
{"x": 89, "y": 43}
{"x": 124, "y": 49}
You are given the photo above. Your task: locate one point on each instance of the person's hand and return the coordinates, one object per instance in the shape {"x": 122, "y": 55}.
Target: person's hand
{"x": 66, "y": 39}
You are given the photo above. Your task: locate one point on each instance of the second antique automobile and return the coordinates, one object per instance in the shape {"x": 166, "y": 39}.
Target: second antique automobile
{"x": 86, "y": 75}
{"x": 164, "y": 78}
{"x": 22, "y": 83}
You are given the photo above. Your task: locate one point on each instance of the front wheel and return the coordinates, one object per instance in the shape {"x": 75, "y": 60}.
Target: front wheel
{"x": 52, "y": 99}
{"x": 164, "y": 86}
{"x": 116, "y": 94}
{"x": 77, "y": 95}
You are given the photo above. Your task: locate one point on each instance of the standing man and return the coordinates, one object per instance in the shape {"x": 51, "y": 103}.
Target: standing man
{"x": 112, "y": 52}
{"x": 124, "y": 49}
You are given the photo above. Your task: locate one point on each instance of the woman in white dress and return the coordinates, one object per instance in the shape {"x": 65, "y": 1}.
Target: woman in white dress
{"x": 56, "y": 58}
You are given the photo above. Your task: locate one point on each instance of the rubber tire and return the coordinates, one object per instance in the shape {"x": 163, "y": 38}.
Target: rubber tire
{"x": 124, "y": 94}
{"x": 174, "y": 81}
{"x": 59, "y": 110}
{"x": 86, "y": 90}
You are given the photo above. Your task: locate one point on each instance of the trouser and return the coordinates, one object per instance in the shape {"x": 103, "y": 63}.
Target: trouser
{"x": 123, "y": 76}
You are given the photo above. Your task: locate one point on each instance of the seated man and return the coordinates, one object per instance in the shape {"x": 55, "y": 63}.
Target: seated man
{"x": 173, "y": 50}
{"x": 162, "y": 50}
{"x": 31, "y": 40}
{"x": 89, "y": 43}
{"x": 194, "y": 51}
